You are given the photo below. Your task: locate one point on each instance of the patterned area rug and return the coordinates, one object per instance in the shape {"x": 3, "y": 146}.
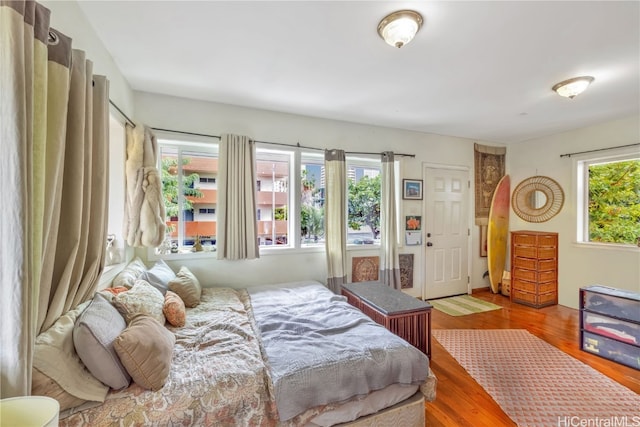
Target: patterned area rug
{"x": 462, "y": 305}
{"x": 537, "y": 384}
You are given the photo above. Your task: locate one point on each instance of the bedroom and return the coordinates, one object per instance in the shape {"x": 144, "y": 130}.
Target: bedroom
{"x": 539, "y": 155}
{"x": 536, "y": 154}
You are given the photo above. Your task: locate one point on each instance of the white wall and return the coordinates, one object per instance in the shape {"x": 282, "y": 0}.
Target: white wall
{"x": 210, "y": 118}
{"x": 579, "y": 264}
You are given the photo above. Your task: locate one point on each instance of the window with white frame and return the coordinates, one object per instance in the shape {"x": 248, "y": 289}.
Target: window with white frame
{"x": 190, "y": 192}
{"x": 286, "y": 217}
{"x": 273, "y": 200}
{"x": 363, "y": 191}
{"x": 609, "y": 198}
{"x": 312, "y": 199}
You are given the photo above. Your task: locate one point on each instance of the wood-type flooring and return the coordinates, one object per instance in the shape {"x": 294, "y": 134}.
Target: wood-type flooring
{"x": 461, "y": 401}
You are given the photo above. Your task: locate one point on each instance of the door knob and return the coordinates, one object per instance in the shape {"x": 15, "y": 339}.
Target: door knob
{"x": 429, "y": 244}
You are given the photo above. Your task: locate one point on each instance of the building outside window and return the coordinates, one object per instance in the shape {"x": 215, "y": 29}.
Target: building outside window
{"x": 190, "y": 190}
{"x": 272, "y": 196}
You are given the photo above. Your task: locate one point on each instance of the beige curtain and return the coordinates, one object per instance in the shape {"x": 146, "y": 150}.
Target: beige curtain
{"x": 54, "y": 134}
{"x": 237, "y": 231}
{"x": 389, "y": 262}
{"x": 144, "y": 212}
{"x": 335, "y": 218}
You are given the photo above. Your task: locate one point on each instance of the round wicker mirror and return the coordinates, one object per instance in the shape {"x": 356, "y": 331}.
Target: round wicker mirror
{"x": 537, "y": 199}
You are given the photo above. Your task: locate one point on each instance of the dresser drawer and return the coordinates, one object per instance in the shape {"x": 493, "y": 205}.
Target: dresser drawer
{"x": 547, "y": 276}
{"x": 546, "y": 252}
{"x": 523, "y": 285}
{"x": 548, "y": 287}
{"x": 527, "y": 263}
{"x": 525, "y": 251}
{"x": 520, "y": 273}
{"x": 525, "y": 239}
{"x": 547, "y": 264}
{"x": 548, "y": 240}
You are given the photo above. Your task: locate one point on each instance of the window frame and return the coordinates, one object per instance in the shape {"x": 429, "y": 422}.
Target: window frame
{"x": 581, "y": 164}
{"x": 366, "y": 162}
{"x": 205, "y": 145}
{"x": 277, "y": 154}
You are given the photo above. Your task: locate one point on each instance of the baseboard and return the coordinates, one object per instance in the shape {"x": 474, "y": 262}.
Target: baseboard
{"x": 476, "y": 290}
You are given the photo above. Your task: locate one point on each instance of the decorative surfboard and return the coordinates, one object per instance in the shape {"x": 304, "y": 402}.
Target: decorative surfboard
{"x": 498, "y": 232}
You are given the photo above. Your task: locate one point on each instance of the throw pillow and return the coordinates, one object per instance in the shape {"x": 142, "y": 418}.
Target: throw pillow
{"x": 159, "y": 276}
{"x": 187, "y": 286}
{"x": 145, "y": 349}
{"x": 93, "y": 335}
{"x": 56, "y": 357}
{"x": 42, "y": 385}
{"x": 174, "y": 309}
{"x": 131, "y": 272}
{"x": 142, "y": 298}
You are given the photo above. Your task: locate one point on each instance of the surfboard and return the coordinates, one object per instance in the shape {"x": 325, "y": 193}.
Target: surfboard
{"x": 498, "y": 232}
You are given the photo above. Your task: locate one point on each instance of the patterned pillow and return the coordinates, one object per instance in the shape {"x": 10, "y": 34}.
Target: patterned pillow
{"x": 187, "y": 286}
{"x": 174, "y": 309}
{"x": 131, "y": 272}
{"x": 145, "y": 349}
{"x": 159, "y": 276}
{"x": 93, "y": 335}
{"x": 142, "y": 298}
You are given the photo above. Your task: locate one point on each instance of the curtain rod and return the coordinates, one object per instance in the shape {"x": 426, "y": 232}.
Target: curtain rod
{"x": 599, "y": 149}
{"x": 122, "y": 113}
{"x": 297, "y": 144}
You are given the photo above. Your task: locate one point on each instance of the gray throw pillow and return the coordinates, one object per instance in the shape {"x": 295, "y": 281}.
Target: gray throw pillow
{"x": 93, "y": 335}
{"x": 159, "y": 276}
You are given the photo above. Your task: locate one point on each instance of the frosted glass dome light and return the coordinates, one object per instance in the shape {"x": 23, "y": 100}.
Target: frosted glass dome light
{"x": 399, "y": 28}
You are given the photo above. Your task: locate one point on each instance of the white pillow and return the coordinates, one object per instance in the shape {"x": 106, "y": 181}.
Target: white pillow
{"x": 141, "y": 299}
{"x": 130, "y": 274}
{"x": 159, "y": 276}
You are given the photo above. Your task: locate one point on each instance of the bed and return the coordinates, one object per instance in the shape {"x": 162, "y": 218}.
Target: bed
{"x": 291, "y": 354}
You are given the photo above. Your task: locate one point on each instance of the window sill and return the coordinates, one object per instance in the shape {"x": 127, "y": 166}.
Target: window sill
{"x": 607, "y": 246}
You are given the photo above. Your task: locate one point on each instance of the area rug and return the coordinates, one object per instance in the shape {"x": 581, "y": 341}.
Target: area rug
{"x": 462, "y": 305}
{"x": 537, "y": 384}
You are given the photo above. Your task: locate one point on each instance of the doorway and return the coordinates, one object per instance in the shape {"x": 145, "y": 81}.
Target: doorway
{"x": 447, "y": 233}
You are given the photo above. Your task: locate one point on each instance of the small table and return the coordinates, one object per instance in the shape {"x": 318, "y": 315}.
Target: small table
{"x": 405, "y": 316}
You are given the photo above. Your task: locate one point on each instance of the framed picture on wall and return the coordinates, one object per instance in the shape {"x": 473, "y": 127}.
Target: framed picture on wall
{"x": 412, "y": 189}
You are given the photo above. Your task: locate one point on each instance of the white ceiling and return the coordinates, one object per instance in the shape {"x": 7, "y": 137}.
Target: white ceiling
{"x": 481, "y": 70}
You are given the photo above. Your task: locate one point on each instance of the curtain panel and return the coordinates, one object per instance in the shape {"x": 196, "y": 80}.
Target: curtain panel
{"x": 237, "y": 233}
{"x": 335, "y": 218}
{"x": 389, "y": 260}
{"x": 54, "y": 133}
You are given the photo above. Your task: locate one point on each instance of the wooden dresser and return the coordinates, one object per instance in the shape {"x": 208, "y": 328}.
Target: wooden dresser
{"x": 534, "y": 268}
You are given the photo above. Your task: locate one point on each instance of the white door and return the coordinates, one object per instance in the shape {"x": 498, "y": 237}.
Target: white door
{"x": 446, "y": 233}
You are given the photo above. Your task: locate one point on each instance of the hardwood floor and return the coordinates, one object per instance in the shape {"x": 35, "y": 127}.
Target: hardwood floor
{"x": 461, "y": 401}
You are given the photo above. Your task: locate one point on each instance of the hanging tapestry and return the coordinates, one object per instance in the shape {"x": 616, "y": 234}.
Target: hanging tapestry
{"x": 489, "y": 168}
{"x": 406, "y": 271}
{"x": 365, "y": 269}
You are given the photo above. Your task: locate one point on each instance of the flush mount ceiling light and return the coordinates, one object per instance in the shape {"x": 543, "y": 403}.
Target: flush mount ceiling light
{"x": 572, "y": 87}
{"x": 399, "y": 28}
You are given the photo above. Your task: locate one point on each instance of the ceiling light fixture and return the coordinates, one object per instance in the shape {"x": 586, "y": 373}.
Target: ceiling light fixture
{"x": 399, "y": 28}
{"x": 572, "y": 87}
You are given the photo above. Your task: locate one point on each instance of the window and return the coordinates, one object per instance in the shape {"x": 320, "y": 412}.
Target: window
{"x": 609, "y": 199}
{"x": 312, "y": 200}
{"x": 272, "y": 196}
{"x": 190, "y": 191}
{"x": 363, "y": 189}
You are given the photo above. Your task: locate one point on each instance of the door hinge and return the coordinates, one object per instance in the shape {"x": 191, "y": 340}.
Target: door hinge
{"x": 468, "y": 232}
{"x": 468, "y": 280}
{"x": 469, "y": 184}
